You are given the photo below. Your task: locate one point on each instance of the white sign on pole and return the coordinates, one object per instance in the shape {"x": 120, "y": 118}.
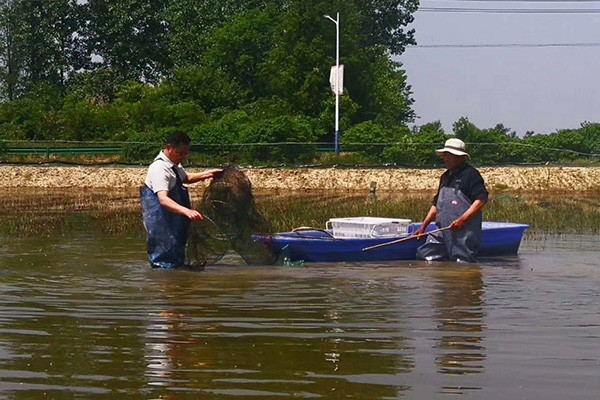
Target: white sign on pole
{"x": 334, "y": 80}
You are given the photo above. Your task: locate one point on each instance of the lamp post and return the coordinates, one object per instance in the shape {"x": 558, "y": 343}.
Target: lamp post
{"x": 337, "y": 83}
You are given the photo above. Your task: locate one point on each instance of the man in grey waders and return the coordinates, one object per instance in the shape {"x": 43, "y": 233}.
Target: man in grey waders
{"x": 166, "y": 207}
{"x": 457, "y": 206}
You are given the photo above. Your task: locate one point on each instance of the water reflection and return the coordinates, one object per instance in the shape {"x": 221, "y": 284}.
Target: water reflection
{"x": 459, "y": 311}
{"x": 173, "y": 356}
{"x": 83, "y": 317}
{"x": 161, "y": 357}
{"x": 273, "y": 332}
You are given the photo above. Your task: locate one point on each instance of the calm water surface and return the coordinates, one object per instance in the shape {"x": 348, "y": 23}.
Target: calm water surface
{"x": 83, "y": 317}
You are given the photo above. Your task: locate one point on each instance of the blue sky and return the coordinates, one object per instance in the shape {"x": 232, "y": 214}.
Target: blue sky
{"x": 526, "y": 88}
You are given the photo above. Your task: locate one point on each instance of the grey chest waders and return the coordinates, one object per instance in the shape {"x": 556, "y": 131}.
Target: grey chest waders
{"x": 457, "y": 245}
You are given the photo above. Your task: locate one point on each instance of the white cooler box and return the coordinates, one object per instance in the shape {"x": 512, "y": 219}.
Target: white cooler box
{"x": 368, "y": 227}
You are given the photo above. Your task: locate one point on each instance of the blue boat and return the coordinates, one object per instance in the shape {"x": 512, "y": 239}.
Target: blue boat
{"x": 319, "y": 245}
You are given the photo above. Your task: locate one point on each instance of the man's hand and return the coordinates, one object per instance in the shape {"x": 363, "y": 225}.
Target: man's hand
{"x": 420, "y": 231}
{"x": 457, "y": 224}
{"x": 193, "y": 215}
{"x": 460, "y": 222}
{"x": 212, "y": 172}
{"x": 193, "y": 177}
{"x": 171, "y": 205}
{"x": 428, "y": 220}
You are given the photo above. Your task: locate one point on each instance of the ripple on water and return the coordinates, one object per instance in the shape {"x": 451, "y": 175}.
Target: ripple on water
{"x": 87, "y": 318}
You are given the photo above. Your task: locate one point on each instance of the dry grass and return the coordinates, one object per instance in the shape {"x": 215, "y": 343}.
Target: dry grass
{"x": 397, "y": 180}
{"x": 50, "y": 199}
{"x": 54, "y": 211}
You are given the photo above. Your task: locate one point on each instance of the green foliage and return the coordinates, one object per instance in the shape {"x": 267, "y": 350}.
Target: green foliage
{"x": 493, "y": 145}
{"x": 395, "y": 144}
{"x": 239, "y": 48}
{"x": 264, "y": 131}
{"x": 137, "y": 66}
{"x": 390, "y": 94}
{"x": 144, "y": 146}
{"x": 590, "y": 133}
{"x": 216, "y": 137}
{"x": 348, "y": 111}
{"x": 272, "y": 137}
{"x": 249, "y": 81}
{"x": 79, "y": 120}
{"x": 99, "y": 86}
{"x": 419, "y": 147}
{"x": 210, "y": 88}
{"x": 22, "y": 119}
{"x": 186, "y": 115}
{"x": 370, "y": 139}
{"x": 129, "y": 36}
{"x": 190, "y": 21}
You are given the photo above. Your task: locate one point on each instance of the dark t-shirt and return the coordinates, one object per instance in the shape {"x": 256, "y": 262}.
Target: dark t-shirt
{"x": 467, "y": 179}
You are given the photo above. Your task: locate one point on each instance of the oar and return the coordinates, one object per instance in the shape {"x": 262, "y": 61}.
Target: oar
{"x": 404, "y": 239}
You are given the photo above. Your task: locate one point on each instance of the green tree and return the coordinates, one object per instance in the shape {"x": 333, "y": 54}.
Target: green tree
{"x": 189, "y": 21}
{"x": 287, "y": 52}
{"x": 209, "y": 87}
{"x": 11, "y": 50}
{"x": 99, "y": 86}
{"x": 488, "y": 146}
{"x": 591, "y": 135}
{"x": 49, "y": 40}
{"x": 38, "y": 43}
{"x": 418, "y": 146}
{"x": 239, "y": 49}
{"x": 129, "y": 37}
{"x": 379, "y": 85}
{"x": 135, "y": 67}
{"x": 373, "y": 141}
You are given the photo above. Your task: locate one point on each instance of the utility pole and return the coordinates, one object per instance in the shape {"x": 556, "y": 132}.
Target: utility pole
{"x": 337, "y": 85}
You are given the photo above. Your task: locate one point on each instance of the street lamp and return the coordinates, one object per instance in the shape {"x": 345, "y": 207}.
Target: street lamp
{"x": 337, "y": 83}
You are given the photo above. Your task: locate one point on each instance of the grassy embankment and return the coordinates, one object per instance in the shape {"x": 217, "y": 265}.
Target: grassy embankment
{"x": 52, "y": 212}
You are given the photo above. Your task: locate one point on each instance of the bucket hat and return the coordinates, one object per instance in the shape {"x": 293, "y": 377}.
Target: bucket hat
{"x": 454, "y": 146}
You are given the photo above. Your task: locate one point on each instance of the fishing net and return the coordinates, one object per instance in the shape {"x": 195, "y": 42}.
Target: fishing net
{"x": 230, "y": 220}
{"x": 206, "y": 244}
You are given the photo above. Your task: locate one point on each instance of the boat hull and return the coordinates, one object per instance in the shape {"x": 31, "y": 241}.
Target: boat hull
{"x": 497, "y": 239}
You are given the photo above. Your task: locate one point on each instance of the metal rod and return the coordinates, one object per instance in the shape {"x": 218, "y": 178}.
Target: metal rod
{"x": 404, "y": 239}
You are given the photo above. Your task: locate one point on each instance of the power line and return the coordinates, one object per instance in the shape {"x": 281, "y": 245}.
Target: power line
{"x": 500, "y": 45}
{"x": 511, "y": 10}
{"x": 520, "y": 1}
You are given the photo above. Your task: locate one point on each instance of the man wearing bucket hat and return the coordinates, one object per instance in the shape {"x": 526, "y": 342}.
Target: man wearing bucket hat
{"x": 457, "y": 206}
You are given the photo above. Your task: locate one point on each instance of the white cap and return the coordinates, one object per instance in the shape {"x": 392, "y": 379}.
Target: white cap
{"x": 454, "y": 146}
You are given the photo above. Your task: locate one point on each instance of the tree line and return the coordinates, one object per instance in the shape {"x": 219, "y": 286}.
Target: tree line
{"x": 486, "y": 146}
{"x": 237, "y": 76}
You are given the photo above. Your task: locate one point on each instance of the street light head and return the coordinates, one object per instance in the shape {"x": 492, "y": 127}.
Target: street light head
{"x": 329, "y": 17}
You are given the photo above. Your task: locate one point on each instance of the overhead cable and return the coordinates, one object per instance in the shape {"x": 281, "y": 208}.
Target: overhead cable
{"x": 519, "y": 1}
{"x": 510, "y": 10}
{"x": 499, "y": 45}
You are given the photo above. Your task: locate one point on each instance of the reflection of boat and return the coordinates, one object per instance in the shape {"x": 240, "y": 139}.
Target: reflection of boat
{"x": 320, "y": 245}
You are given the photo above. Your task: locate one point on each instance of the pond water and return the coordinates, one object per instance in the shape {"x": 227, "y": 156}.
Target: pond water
{"x": 82, "y": 316}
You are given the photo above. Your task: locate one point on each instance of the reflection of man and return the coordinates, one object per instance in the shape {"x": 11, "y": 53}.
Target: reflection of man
{"x": 459, "y": 311}
{"x": 166, "y": 206}
{"x": 458, "y": 203}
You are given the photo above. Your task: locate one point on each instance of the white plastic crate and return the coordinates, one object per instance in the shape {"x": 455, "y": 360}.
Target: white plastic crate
{"x": 368, "y": 227}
